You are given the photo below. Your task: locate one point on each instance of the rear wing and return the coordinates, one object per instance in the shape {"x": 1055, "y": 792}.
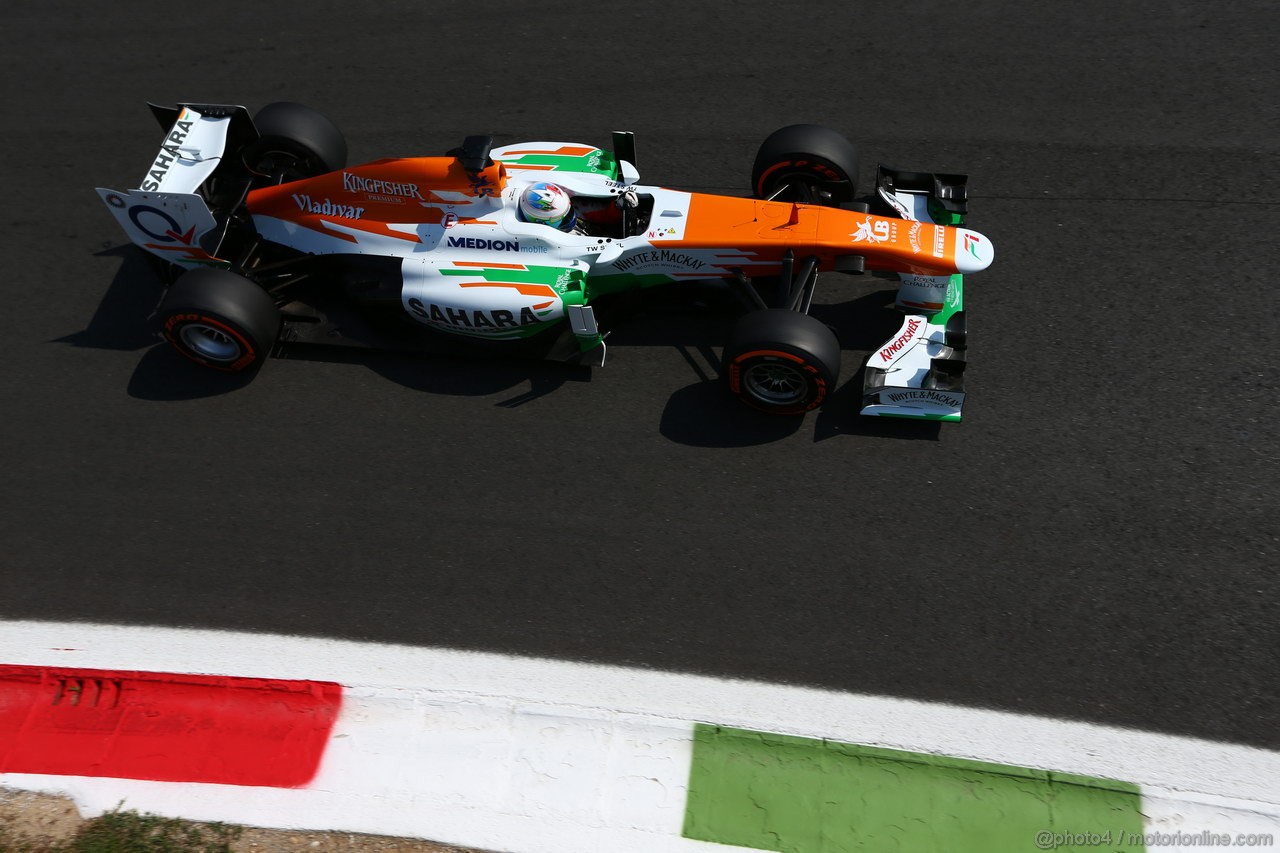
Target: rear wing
{"x": 167, "y": 214}
{"x": 919, "y": 372}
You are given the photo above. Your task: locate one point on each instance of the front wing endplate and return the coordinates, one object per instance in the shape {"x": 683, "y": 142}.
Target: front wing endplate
{"x": 918, "y": 373}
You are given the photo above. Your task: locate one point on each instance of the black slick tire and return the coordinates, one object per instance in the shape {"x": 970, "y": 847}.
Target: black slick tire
{"x": 781, "y": 362}
{"x": 296, "y": 140}
{"x": 220, "y": 320}
{"x": 806, "y": 163}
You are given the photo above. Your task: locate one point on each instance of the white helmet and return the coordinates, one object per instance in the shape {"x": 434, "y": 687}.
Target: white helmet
{"x": 547, "y": 204}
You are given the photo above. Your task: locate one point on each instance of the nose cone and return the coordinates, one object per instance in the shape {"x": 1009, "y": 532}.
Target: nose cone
{"x": 974, "y": 252}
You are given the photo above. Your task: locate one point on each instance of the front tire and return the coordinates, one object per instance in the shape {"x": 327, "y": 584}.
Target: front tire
{"x": 806, "y": 163}
{"x": 220, "y": 320}
{"x": 781, "y": 362}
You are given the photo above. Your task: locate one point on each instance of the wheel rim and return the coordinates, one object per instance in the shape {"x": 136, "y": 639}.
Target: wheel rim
{"x": 210, "y": 343}
{"x": 774, "y": 383}
{"x": 280, "y": 164}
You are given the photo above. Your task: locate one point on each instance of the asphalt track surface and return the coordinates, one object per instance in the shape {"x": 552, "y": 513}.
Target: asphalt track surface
{"x": 1097, "y": 541}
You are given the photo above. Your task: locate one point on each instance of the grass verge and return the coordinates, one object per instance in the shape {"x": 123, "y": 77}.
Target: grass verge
{"x": 129, "y": 832}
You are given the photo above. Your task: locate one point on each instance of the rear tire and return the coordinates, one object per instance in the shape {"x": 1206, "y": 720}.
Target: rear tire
{"x": 781, "y": 362}
{"x": 294, "y": 142}
{"x": 220, "y": 320}
{"x": 806, "y": 163}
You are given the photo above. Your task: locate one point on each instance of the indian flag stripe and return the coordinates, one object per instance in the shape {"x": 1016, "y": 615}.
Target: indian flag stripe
{"x": 539, "y": 756}
{"x": 487, "y": 265}
{"x": 774, "y": 792}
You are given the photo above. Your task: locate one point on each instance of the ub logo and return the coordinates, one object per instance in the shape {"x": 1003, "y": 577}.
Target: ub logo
{"x": 871, "y": 233}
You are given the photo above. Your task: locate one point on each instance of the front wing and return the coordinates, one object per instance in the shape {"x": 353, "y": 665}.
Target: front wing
{"x": 919, "y": 372}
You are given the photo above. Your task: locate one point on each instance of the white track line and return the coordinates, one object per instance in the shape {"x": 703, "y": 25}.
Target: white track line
{"x": 1166, "y": 761}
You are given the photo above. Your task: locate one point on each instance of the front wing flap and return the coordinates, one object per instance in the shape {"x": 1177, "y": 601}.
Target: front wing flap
{"x": 919, "y": 372}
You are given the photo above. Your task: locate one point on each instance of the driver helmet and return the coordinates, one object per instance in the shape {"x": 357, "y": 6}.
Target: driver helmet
{"x": 547, "y": 204}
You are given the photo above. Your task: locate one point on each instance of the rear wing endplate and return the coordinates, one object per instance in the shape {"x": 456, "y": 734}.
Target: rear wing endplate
{"x": 193, "y": 148}
{"x": 165, "y": 214}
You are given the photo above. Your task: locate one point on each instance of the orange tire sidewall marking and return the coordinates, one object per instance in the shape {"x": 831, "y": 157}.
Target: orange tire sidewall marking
{"x": 769, "y": 171}
{"x": 778, "y": 353}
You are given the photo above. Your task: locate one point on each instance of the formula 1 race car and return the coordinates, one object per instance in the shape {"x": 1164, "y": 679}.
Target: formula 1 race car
{"x": 268, "y": 236}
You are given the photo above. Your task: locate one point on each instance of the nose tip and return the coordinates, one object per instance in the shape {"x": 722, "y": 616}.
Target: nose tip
{"x": 974, "y": 251}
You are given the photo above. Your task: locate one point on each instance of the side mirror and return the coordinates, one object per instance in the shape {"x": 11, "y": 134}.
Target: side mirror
{"x": 624, "y": 147}
{"x": 474, "y": 153}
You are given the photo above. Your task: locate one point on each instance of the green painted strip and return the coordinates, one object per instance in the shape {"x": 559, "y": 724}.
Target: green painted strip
{"x": 797, "y": 795}
{"x": 954, "y": 300}
{"x": 530, "y": 275}
{"x": 600, "y": 285}
{"x": 595, "y": 162}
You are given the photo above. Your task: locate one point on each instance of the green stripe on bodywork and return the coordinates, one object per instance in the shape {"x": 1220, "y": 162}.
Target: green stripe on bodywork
{"x": 531, "y": 275}
{"x": 952, "y": 302}
{"x": 601, "y": 285}
{"x": 568, "y": 282}
{"x": 942, "y": 216}
{"x": 598, "y": 162}
{"x": 798, "y": 795}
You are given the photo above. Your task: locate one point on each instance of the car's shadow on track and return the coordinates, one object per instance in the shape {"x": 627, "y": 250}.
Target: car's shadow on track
{"x": 840, "y": 416}
{"x": 163, "y": 375}
{"x": 705, "y": 415}
{"x": 121, "y": 323}
{"x": 865, "y": 323}
{"x": 701, "y": 414}
{"x": 454, "y": 376}
{"x": 124, "y": 321}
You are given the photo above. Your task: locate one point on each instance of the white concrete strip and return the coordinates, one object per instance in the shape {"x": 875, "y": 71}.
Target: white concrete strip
{"x": 557, "y": 779}
{"x": 316, "y": 809}
{"x": 489, "y": 773}
{"x": 1145, "y": 758}
{"x": 1181, "y": 823}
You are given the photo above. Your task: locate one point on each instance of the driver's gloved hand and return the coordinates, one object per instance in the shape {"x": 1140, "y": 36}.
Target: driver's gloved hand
{"x": 629, "y": 200}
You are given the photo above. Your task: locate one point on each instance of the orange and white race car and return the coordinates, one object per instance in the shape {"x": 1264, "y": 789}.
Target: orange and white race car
{"x": 268, "y": 236}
